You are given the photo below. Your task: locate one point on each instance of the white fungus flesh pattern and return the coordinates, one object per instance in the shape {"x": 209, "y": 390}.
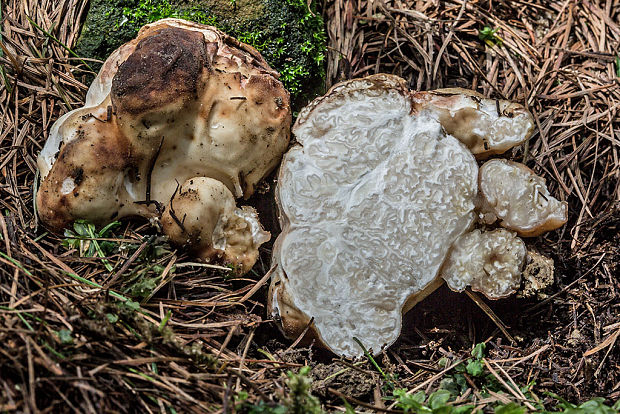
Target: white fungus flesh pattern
{"x": 519, "y": 198}
{"x": 485, "y": 126}
{"x": 489, "y": 262}
{"x": 371, "y": 203}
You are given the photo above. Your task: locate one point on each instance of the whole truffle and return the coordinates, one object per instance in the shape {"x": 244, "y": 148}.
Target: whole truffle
{"x": 181, "y": 101}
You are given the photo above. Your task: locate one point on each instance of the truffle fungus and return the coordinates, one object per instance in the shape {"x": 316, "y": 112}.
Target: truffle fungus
{"x": 514, "y": 194}
{"x": 203, "y": 216}
{"x": 490, "y": 262}
{"x": 382, "y": 184}
{"x": 180, "y": 102}
{"x": 485, "y": 126}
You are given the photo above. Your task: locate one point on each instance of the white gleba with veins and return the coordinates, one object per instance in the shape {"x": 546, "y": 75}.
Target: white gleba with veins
{"x": 371, "y": 202}
{"x": 519, "y": 198}
{"x": 489, "y": 262}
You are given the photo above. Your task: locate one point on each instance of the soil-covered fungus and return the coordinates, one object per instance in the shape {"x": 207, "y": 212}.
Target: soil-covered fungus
{"x": 180, "y": 102}
{"x": 381, "y": 190}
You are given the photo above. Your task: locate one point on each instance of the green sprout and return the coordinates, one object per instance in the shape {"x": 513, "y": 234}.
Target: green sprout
{"x": 84, "y": 237}
{"x": 488, "y": 36}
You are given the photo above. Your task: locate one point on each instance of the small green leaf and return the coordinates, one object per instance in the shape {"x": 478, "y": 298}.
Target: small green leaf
{"x": 475, "y": 368}
{"x": 595, "y": 406}
{"x": 438, "y": 399}
{"x": 510, "y": 408}
{"x": 464, "y": 409}
{"x": 419, "y": 396}
{"x": 461, "y": 382}
{"x": 70, "y": 242}
{"x": 478, "y": 351}
{"x": 449, "y": 384}
{"x": 112, "y": 318}
{"x": 65, "y": 336}
{"x": 408, "y": 402}
{"x": 487, "y": 35}
{"x": 618, "y": 66}
{"x": 241, "y": 396}
{"x": 83, "y": 228}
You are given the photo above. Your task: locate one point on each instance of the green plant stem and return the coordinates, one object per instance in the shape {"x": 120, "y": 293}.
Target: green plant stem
{"x": 372, "y": 360}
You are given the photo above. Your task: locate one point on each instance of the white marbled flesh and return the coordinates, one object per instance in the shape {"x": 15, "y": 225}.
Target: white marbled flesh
{"x": 371, "y": 202}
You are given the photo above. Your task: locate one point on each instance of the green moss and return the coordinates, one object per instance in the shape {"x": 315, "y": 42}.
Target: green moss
{"x": 289, "y": 35}
{"x": 103, "y": 30}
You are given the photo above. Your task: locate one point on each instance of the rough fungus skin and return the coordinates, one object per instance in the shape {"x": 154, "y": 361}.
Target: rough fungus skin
{"x": 163, "y": 68}
{"x": 203, "y": 217}
{"x": 374, "y": 201}
{"x": 180, "y": 102}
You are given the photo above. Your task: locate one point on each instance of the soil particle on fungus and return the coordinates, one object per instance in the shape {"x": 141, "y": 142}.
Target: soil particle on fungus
{"x": 537, "y": 276}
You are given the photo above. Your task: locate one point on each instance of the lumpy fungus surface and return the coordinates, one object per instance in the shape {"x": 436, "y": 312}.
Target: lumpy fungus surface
{"x": 179, "y": 123}
{"x": 380, "y": 198}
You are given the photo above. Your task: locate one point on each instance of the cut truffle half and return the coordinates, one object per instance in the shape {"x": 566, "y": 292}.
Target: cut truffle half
{"x": 361, "y": 200}
{"x": 514, "y": 194}
{"x": 382, "y": 184}
{"x": 490, "y": 262}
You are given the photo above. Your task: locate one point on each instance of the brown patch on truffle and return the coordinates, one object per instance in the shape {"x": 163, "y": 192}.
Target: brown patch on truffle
{"x": 78, "y": 176}
{"x": 165, "y": 67}
{"x": 86, "y": 161}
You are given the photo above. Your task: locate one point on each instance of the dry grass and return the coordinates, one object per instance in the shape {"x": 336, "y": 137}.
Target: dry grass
{"x": 68, "y": 345}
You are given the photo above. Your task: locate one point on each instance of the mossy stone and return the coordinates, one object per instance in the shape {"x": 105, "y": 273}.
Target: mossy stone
{"x": 288, "y": 34}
